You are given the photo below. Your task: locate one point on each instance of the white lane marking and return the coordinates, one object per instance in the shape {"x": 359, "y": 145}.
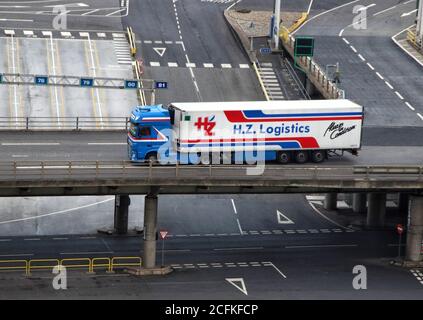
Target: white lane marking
{"x": 380, "y": 76}
{"x": 389, "y": 85}
{"x": 117, "y": 11}
{"x": 97, "y": 93}
{"x": 56, "y": 94}
{"x": 323, "y": 13}
{"x": 361, "y": 57}
{"x": 58, "y": 239}
{"x": 239, "y": 227}
{"x": 30, "y": 144}
{"x": 239, "y": 284}
{"x": 283, "y": 219}
{"x": 277, "y": 269}
{"x": 420, "y": 116}
{"x": 410, "y": 106}
{"x": 309, "y": 7}
{"x": 346, "y": 41}
{"x": 5, "y": 240}
{"x": 107, "y": 143}
{"x": 234, "y": 207}
{"x": 325, "y": 217}
{"x": 57, "y": 212}
{"x": 353, "y": 49}
{"x": 323, "y": 246}
{"x": 408, "y": 13}
{"x": 383, "y": 11}
{"x": 366, "y": 7}
{"x": 370, "y": 66}
{"x": 83, "y": 253}
{"x": 33, "y": 239}
{"x": 160, "y": 51}
{"x": 15, "y": 88}
{"x": 89, "y": 12}
{"x": 399, "y": 95}
{"x": 235, "y": 249}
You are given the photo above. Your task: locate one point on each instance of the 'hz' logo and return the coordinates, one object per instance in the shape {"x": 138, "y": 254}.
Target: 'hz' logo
{"x": 207, "y": 125}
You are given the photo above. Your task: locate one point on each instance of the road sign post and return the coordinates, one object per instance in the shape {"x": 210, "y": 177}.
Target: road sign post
{"x": 400, "y": 230}
{"x": 163, "y": 234}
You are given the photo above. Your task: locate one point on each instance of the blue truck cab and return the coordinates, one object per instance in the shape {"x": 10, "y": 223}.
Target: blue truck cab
{"x": 144, "y": 134}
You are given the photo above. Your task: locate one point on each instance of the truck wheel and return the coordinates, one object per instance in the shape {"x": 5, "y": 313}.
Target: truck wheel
{"x": 318, "y": 156}
{"x": 284, "y": 157}
{"x": 152, "y": 157}
{"x": 301, "y": 157}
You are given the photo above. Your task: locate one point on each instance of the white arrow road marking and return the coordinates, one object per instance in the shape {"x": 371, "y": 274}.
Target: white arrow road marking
{"x": 160, "y": 51}
{"x": 283, "y": 219}
{"x": 234, "y": 281}
{"x": 408, "y": 13}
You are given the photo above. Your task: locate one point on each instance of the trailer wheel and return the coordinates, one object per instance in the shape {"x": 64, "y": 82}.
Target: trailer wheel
{"x": 301, "y": 157}
{"x": 284, "y": 157}
{"x": 318, "y": 156}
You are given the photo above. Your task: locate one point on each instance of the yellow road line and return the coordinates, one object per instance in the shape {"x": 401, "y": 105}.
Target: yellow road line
{"x": 263, "y": 88}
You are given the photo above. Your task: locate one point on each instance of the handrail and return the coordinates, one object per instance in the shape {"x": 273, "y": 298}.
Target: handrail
{"x": 70, "y": 263}
{"x": 41, "y": 171}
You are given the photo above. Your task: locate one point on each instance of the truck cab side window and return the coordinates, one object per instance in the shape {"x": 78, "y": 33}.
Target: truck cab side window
{"x": 145, "y": 131}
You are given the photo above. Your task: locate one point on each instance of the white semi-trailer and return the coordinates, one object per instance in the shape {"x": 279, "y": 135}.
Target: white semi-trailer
{"x": 300, "y": 131}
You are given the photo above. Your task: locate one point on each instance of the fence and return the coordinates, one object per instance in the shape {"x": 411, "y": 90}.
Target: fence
{"x": 89, "y": 264}
{"x": 63, "y": 123}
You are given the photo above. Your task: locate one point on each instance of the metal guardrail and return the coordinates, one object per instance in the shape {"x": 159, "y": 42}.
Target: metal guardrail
{"x": 316, "y": 74}
{"x": 63, "y": 123}
{"x": 39, "y": 171}
{"x": 90, "y": 264}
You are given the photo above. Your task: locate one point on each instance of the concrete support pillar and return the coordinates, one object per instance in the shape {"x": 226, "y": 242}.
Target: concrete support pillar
{"x": 359, "y": 202}
{"x": 376, "y": 209}
{"x": 415, "y": 230}
{"x": 310, "y": 88}
{"x": 348, "y": 198}
{"x": 150, "y": 231}
{"x": 330, "y": 202}
{"x": 403, "y": 202}
{"x": 122, "y": 203}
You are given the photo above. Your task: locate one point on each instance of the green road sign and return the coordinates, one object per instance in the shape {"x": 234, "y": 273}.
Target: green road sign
{"x": 304, "y": 46}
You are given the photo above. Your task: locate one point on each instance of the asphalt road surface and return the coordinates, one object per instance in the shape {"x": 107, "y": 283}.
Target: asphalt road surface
{"x": 374, "y": 71}
{"x": 311, "y": 257}
{"x": 300, "y": 266}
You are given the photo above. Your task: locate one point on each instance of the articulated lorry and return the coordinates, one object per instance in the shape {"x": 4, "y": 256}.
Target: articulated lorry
{"x": 282, "y": 131}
